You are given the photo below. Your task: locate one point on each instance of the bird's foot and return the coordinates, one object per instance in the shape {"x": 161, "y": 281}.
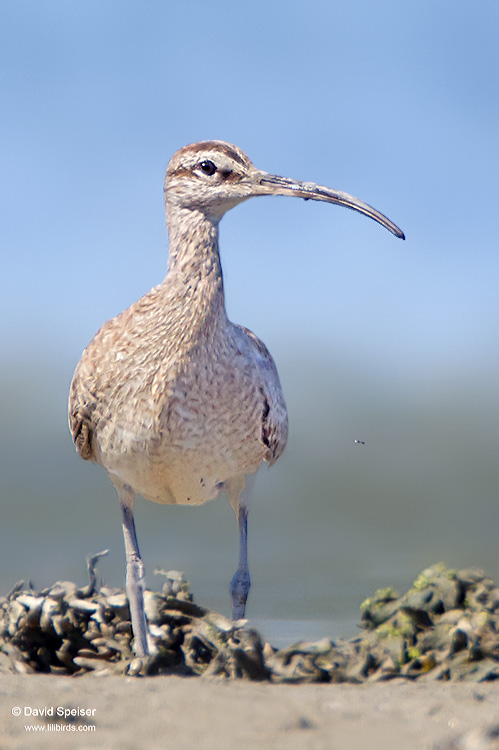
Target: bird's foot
{"x": 239, "y": 589}
{"x": 136, "y": 666}
{"x": 154, "y": 663}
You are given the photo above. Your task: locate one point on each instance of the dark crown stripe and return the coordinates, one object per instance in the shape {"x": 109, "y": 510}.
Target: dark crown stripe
{"x": 222, "y": 148}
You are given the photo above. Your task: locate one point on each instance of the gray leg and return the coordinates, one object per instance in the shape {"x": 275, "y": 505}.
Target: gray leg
{"x": 134, "y": 573}
{"x": 240, "y": 584}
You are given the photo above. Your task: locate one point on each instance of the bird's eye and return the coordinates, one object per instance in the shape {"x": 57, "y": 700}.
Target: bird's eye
{"x": 207, "y": 167}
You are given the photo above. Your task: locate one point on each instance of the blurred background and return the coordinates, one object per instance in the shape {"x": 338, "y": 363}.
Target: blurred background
{"x": 389, "y": 343}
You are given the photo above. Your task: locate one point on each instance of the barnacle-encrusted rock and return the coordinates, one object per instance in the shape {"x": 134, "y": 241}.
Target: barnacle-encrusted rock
{"x": 446, "y": 627}
{"x": 448, "y": 622}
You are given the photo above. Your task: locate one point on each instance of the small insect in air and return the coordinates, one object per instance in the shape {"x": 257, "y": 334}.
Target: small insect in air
{"x": 360, "y": 442}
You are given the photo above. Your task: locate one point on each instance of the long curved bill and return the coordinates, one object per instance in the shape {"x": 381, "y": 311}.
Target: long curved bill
{"x": 271, "y": 184}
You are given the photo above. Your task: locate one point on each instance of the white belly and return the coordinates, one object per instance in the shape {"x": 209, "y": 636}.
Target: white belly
{"x": 202, "y": 438}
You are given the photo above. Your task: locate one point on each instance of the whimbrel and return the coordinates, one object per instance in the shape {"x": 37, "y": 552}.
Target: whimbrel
{"x": 175, "y": 401}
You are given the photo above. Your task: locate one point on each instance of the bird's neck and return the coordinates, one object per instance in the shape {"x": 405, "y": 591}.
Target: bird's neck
{"x": 194, "y": 268}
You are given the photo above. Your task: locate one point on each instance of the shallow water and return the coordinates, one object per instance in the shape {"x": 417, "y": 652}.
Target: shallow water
{"x": 282, "y": 633}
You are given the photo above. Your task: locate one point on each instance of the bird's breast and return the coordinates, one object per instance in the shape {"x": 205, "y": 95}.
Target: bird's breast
{"x": 177, "y": 439}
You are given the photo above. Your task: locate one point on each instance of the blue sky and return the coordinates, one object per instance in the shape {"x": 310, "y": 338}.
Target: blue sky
{"x": 393, "y": 102}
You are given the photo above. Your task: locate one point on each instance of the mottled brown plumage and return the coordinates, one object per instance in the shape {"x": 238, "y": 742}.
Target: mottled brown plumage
{"x": 175, "y": 401}
{"x": 148, "y": 391}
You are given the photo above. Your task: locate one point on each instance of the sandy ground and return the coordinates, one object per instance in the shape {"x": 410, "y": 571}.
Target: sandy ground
{"x": 194, "y": 713}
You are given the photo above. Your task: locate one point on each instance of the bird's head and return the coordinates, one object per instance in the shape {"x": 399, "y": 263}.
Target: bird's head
{"x": 214, "y": 176}
{"x": 211, "y": 176}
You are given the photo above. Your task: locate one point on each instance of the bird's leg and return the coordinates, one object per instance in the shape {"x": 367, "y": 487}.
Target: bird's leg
{"x": 134, "y": 573}
{"x": 240, "y": 583}
{"x": 238, "y": 489}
